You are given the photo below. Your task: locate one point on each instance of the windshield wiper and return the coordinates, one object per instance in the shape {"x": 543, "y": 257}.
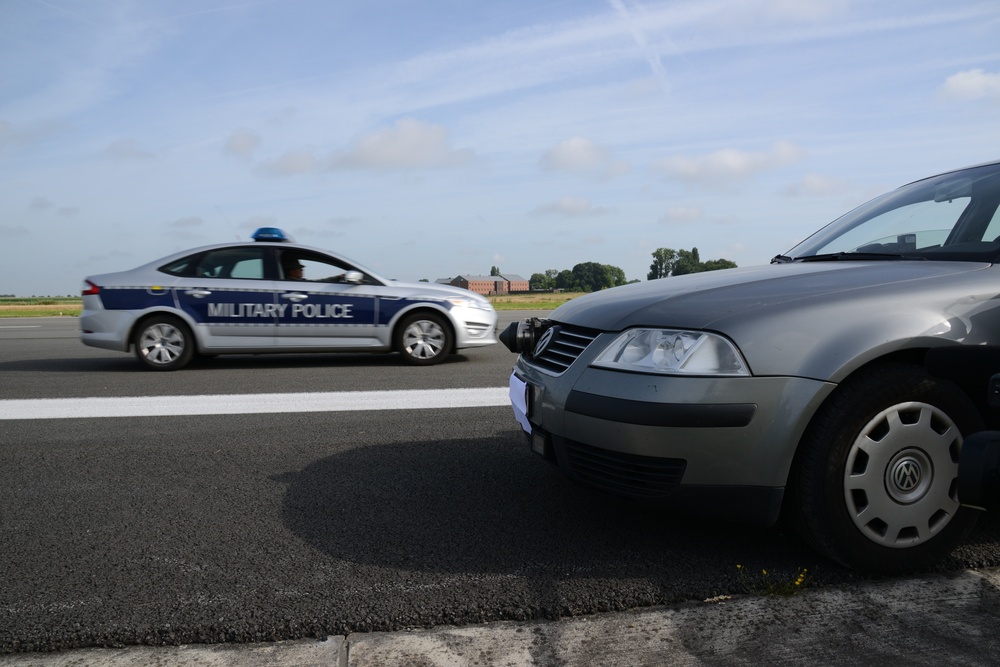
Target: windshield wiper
{"x": 781, "y": 259}
{"x": 853, "y": 256}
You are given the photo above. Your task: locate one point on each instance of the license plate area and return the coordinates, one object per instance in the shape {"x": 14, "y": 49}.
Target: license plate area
{"x": 520, "y": 400}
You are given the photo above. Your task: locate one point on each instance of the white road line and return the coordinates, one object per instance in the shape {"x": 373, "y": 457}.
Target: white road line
{"x": 242, "y": 404}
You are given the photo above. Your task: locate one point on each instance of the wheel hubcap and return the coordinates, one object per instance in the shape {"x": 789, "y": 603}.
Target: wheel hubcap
{"x": 161, "y": 344}
{"x": 424, "y": 339}
{"x": 900, "y": 481}
{"x": 908, "y": 476}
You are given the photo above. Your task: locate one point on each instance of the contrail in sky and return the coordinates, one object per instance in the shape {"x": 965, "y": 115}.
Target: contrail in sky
{"x": 652, "y": 57}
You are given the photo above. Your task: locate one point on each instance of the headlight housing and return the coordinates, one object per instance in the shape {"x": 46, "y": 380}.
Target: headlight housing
{"x": 470, "y": 302}
{"x": 673, "y": 352}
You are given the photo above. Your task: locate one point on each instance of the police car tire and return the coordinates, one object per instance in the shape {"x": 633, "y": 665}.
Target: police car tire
{"x": 423, "y": 339}
{"x": 847, "y": 497}
{"x": 163, "y": 343}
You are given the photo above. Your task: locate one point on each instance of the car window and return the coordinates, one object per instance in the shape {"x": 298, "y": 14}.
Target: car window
{"x": 953, "y": 216}
{"x": 314, "y": 268}
{"x": 916, "y": 226}
{"x": 993, "y": 229}
{"x": 232, "y": 263}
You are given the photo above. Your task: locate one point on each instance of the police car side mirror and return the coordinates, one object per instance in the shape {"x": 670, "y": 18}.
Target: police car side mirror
{"x": 354, "y": 277}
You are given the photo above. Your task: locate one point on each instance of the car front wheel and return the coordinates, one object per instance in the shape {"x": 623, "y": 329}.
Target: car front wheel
{"x": 876, "y": 477}
{"x": 163, "y": 343}
{"x": 423, "y": 339}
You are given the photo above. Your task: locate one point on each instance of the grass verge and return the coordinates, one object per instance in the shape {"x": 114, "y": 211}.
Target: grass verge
{"x": 40, "y": 306}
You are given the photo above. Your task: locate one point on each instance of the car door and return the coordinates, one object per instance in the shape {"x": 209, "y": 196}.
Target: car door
{"x": 320, "y": 309}
{"x": 227, "y": 296}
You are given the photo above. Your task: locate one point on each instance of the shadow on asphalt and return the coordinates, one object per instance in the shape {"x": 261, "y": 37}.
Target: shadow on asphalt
{"x": 489, "y": 506}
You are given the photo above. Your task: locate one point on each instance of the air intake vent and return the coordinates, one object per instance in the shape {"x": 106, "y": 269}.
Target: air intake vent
{"x": 624, "y": 474}
{"x": 566, "y": 344}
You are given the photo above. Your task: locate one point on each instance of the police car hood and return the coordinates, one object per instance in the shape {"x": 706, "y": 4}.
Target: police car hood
{"x": 715, "y": 298}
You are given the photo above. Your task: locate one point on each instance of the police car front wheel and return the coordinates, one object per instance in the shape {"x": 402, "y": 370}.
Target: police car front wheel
{"x": 163, "y": 343}
{"x": 424, "y": 339}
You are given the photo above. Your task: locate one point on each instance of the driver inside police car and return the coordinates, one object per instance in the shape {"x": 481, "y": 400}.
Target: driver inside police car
{"x": 293, "y": 270}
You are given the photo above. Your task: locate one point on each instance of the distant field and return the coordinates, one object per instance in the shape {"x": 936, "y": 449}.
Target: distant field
{"x": 40, "y": 306}
{"x": 71, "y": 306}
{"x": 533, "y": 301}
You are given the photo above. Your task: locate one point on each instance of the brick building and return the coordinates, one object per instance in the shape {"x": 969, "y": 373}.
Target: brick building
{"x": 489, "y": 285}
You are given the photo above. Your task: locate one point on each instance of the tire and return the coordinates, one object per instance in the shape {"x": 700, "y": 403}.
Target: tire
{"x": 163, "y": 343}
{"x": 875, "y": 484}
{"x": 424, "y": 339}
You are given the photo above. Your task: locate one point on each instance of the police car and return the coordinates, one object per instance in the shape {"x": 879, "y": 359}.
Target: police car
{"x": 272, "y": 295}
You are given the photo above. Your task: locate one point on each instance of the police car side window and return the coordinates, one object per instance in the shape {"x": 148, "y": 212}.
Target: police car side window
{"x": 182, "y": 267}
{"x": 314, "y": 268}
{"x": 232, "y": 263}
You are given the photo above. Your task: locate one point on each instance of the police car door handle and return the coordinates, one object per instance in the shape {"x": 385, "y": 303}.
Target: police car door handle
{"x": 200, "y": 293}
{"x": 295, "y": 296}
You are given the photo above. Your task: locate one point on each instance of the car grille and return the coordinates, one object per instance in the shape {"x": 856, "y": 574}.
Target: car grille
{"x": 626, "y": 474}
{"x": 567, "y": 344}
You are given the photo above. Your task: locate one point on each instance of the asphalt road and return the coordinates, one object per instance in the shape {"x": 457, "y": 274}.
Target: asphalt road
{"x": 260, "y": 527}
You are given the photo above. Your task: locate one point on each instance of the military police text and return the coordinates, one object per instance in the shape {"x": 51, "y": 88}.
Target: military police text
{"x": 306, "y": 310}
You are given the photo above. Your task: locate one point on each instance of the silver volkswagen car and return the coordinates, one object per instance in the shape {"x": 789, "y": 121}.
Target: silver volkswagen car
{"x": 272, "y": 295}
{"x": 796, "y": 389}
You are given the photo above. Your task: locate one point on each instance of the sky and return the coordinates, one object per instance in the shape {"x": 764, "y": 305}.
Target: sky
{"x": 431, "y": 138}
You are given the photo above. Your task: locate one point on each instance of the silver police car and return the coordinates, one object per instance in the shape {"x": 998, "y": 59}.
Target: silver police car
{"x": 793, "y": 389}
{"x": 272, "y": 295}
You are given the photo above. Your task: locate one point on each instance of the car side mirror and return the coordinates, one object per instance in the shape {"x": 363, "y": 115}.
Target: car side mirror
{"x": 354, "y": 277}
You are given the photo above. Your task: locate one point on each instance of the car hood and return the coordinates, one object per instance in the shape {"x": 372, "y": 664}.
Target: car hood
{"x": 705, "y": 300}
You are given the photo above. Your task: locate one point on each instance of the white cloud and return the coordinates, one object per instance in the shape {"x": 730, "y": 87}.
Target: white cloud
{"x": 683, "y": 215}
{"x": 291, "y": 163}
{"x": 40, "y": 203}
{"x": 723, "y": 167}
{"x": 974, "y": 84}
{"x": 570, "y": 206}
{"x": 817, "y": 185}
{"x": 408, "y": 144}
{"x": 242, "y": 143}
{"x": 575, "y": 154}
{"x": 127, "y": 149}
{"x": 582, "y": 155}
{"x": 20, "y": 231}
{"x": 187, "y": 223}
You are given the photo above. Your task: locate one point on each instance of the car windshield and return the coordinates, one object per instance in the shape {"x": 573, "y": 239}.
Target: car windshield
{"x": 953, "y": 216}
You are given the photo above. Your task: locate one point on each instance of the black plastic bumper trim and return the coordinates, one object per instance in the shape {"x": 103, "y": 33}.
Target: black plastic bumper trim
{"x": 645, "y": 413}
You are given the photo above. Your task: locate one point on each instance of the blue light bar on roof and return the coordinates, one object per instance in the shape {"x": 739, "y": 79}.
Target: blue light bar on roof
{"x": 270, "y": 234}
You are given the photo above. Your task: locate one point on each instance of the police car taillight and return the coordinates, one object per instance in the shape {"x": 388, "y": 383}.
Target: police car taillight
{"x": 271, "y": 234}
{"x": 90, "y": 289}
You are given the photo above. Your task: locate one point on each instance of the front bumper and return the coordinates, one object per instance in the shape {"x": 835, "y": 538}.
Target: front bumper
{"x": 474, "y": 327}
{"x": 718, "y": 446}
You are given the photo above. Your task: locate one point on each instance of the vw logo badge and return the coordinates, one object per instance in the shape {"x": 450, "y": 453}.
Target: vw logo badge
{"x": 906, "y": 476}
{"x": 544, "y": 341}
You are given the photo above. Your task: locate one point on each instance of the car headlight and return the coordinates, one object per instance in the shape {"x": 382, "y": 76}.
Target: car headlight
{"x": 673, "y": 352}
{"x": 470, "y": 302}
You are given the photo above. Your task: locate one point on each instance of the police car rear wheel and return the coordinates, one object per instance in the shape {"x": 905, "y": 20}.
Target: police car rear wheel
{"x": 423, "y": 339}
{"x": 163, "y": 343}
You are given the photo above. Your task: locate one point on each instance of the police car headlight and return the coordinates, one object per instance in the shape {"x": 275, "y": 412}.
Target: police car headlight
{"x": 673, "y": 352}
{"x": 470, "y": 302}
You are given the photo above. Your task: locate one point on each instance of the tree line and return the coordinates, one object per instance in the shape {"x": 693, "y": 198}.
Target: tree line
{"x": 584, "y": 277}
{"x": 669, "y": 262}
{"x": 593, "y": 276}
